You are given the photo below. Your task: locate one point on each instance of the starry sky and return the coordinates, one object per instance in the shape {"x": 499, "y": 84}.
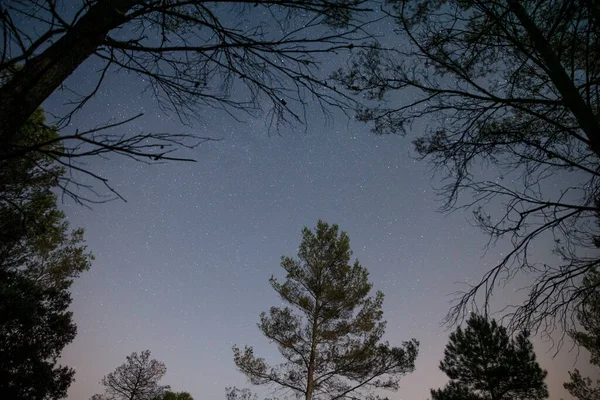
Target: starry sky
{"x": 182, "y": 267}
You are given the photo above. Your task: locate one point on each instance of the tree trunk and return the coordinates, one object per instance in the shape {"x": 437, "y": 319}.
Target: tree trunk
{"x": 571, "y": 96}
{"x": 42, "y": 75}
{"x": 313, "y": 354}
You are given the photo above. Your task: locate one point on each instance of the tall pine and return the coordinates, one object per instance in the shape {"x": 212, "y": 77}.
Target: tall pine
{"x": 330, "y": 333}
{"x": 483, "y": 362}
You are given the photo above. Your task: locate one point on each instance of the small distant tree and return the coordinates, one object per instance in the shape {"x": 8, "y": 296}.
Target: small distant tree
{"x": 35, "y": 325}
{"x": 483, "y": 362}
{"x": 136, "y": 379}
{"x": 580, "y": 387}
{"x": 330, "y": 333}
{"x": 168, "y": 395}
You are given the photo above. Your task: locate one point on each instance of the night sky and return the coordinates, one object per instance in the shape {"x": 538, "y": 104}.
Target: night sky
{"x": 182, "y": 267}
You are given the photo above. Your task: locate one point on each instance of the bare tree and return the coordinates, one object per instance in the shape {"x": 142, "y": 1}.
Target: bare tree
{"x": 137, "y": 379}
{"x": 508, "y": 88}
{"x": 188, "y": 51}
{"x": 194, "y": 56}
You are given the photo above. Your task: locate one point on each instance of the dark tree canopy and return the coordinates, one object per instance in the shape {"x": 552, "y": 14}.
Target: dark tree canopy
{"x": 39, "y": 258}
{"x": 510, "y": 94}
{"x": 35, "y": 325}
{"x": 136, "y": 379}
{"x": 483, "y": 362}
{"x": 330, "y": 333}
{"x": 196, "y": 56}
{"x": 588, "y": 337}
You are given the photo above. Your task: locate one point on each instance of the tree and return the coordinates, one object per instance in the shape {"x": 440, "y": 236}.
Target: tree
{"x": 190, "y": 53}
{"x": 168, "y": 395}
{"x": 483, "y": 362}
{"x": 35, "y": 325}
{"x": 136, "y": 379}
{"x": 512, "y": 86}
{"x": 34, "y": 234}
{"x": 330, "y": 333}
{"x": 39, "y": 258}
{"x": 580, "y": 387}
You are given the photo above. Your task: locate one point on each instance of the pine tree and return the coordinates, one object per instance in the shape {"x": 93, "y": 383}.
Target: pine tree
{"x": 483, "y": 362}
{"x": 330, "y": 333}
{"x": 579, "y": 386}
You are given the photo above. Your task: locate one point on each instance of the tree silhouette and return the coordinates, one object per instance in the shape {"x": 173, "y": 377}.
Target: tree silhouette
{"x": 512, "y": 86}
{"x": 191, "y": 54}
{"x": 136, "y": 379}
{"x": 580, "y": 387}
{"x": 330, "y": 333}
{"x": 483, "y": 362}
{"x": 39, "y": 258}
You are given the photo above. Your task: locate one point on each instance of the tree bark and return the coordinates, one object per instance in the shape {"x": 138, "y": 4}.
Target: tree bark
{"x": 42, "y": 75}
{"x": 571, "y": 96}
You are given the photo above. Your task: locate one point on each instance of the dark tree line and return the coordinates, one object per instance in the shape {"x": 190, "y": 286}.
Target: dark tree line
{"x": 509, "y": 89}
{"x": 190, "y": 52}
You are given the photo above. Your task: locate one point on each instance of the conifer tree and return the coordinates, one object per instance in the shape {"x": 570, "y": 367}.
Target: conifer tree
{"x": 330, "y": 333}
{"x": 168, "y": 395}
{"x": 483, "y": 362}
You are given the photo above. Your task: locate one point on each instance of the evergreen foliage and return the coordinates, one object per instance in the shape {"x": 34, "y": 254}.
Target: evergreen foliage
{"x": 330, "y": 333}
{"x": 39, "y": 258}
{"x": 484, "y": 362}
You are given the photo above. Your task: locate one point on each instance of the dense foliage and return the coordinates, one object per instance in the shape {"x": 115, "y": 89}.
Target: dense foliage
{"x": 39, "y": 258}
{"x": 509, "y": 94}
{"x": 484, "y": 362}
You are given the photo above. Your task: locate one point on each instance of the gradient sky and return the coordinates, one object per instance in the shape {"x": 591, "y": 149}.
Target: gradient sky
{"x": 182, "y": 267}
